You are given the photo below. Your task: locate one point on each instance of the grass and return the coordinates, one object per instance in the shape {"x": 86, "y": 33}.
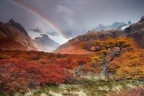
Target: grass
{"x": 84, "y": 87}
{"x": 88, "y": 88}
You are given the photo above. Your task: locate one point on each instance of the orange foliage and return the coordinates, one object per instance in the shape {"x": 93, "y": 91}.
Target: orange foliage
{"x": 32, "y": 69}
{"x": 130, "y": 65}
{"x": 107, "y": 50}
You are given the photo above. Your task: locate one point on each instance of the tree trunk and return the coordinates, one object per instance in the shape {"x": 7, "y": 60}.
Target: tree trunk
{"x": 104, "y": 70}
{"x": 77, "y": 70}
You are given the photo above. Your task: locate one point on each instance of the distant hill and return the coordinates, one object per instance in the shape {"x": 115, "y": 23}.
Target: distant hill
{"x": 135, "y": 31}
{"x": 44, "y": 43}
{"x": 114, "y": 26}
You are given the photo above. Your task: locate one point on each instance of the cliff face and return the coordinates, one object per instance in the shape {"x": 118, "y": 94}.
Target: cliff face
{"x": 17, "y": 25}
{"x": 14, "y": 36}
{"x": 135, "y": 31}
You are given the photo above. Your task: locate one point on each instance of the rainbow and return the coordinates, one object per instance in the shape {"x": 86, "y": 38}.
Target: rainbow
{"x": 39, "y": 15}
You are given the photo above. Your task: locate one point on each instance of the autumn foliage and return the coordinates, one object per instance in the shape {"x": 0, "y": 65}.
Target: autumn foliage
{"x": 21, "y": 70}
{"x": 117, "y": 57}
{"x": 20, "y": 76}
{"x": 130, "y": 65}
{"x": 107, "y": 50}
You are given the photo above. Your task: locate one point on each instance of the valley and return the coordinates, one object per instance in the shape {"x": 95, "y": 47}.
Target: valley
{"x": 104, "y": 63}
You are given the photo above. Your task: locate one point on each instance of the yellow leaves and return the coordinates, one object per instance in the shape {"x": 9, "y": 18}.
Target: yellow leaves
{"x": 130, "y": 72}
{"x": 104, "y": 52}
{"x": 120, "y": 42}
{"x": 131, "y": 65}
{"x": 95, "y": 59}
{"x": 107, "y": 44}
{"x": 97, "y": 42}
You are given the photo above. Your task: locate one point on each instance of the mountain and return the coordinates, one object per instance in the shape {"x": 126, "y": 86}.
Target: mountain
{"x": 14, "y": 37}
{"x": 72, "y": 46}
{"x": 44, "y": 43}
{"x": 56, "y": 37}
{"x": 17, "y": 25}
{"x": 8, "y": 43}
{"x": 135, "y": 31}
{"x": 114, "y": 26}
{"x": 47, "y": 41}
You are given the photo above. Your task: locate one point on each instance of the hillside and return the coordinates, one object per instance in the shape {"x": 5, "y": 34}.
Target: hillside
{"x": 14, "y": 37}
{"x": 135, "y": 31}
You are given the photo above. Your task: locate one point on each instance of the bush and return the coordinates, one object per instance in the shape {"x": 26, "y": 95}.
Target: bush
{"x": 20, "y": 76}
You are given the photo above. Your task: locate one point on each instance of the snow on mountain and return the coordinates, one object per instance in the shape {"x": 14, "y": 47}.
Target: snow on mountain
{"x": 57, "y": 38}
{"x": 114, "y": 26}
{"x": 33, "y": 34}
{"x": 126, "y": 25}
{"x": 122, "y": 28}
{"x": 44, "y": 43}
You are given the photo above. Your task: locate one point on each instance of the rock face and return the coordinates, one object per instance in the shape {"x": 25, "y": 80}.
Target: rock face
{"x": 17, "y": 25}
{"x": 135, "y": 31}
{"x": 44, "y": 43}
{"x": 14, "y": 37}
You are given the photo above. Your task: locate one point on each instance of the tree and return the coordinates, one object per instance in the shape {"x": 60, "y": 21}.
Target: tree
{"x": 107, "y": 50}
{"x": 130, "y": 65}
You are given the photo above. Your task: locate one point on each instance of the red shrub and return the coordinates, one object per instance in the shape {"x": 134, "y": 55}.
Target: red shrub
{"x": 14, "y": 78}
{"x": 19, "y": 77}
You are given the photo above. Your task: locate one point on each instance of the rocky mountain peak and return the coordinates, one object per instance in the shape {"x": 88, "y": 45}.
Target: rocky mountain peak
{"x": 135, "y": 31}
{"x": 129, "y": 23}
{"x": 142, "y": 19}
{"x": 44, "y": 43}
{"x": 17, "y": 25}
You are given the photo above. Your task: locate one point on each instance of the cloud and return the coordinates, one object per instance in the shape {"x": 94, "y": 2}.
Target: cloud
{"x": 66, "y": 13}
{"x": 76, "y": 1}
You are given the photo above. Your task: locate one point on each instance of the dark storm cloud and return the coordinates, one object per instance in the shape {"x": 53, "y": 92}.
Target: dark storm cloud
{"x": 74, "y": 15}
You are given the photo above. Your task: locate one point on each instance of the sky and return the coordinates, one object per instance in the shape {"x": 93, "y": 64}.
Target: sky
{"x": 70, "y": 17}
